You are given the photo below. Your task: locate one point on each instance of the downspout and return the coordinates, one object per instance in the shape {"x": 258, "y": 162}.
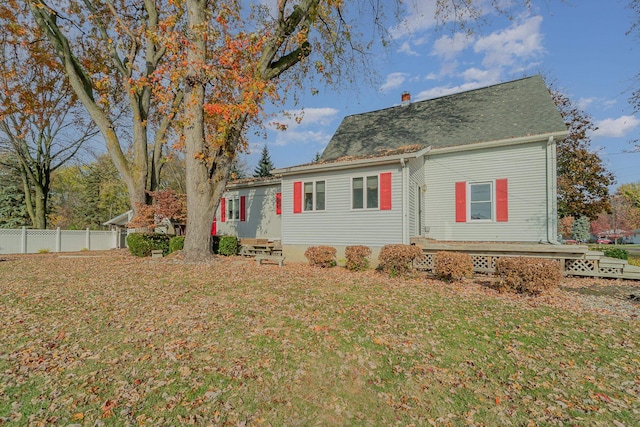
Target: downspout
{"x": 552, "y": 200}
{"x": 405, "y": 201}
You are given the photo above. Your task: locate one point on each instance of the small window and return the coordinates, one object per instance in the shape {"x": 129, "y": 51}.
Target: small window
{"x": 372, "y": 192}
{"x": 233, "y": 209}
{"x": 357, "y": 193}
{"x": 314, "y": 196}
{"x": 308, "y": 196}
{"x": 481, "y": 201}
{"x": 362, "y": 196}
{"x": 320, "y": 195}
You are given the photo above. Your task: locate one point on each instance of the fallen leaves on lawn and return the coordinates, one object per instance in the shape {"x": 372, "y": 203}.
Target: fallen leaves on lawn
{"x": 122, "y": 340}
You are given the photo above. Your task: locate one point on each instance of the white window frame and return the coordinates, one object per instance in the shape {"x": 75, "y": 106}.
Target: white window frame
{"x": 492, "y": 194}
{"x": 314, "y": 196}
{"x": 364, "y": 192}
{"x": 233, "y": 208}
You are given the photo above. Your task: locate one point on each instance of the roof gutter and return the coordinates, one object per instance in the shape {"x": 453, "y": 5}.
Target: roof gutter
{"x": 557, "y": 136}
{"x": 350, "y": 164}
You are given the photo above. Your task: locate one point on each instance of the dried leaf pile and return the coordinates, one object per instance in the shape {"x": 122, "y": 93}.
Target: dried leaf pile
{"x": 118, "y": 340}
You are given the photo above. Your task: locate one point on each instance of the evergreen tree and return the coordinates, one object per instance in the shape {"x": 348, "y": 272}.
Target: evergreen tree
{"x": 580, "y": 229}
{"x": 264, "y": 165}
{"x": 12, "y": 208}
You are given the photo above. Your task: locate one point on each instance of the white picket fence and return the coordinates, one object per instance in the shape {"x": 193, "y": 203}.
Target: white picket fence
{"x": 28, "y": 241}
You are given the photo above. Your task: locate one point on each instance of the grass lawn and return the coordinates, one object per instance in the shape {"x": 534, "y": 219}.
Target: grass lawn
{"x": 117, "y": 340}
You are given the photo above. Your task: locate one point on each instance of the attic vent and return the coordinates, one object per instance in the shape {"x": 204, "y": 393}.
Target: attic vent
{"x": 406, "y": 98}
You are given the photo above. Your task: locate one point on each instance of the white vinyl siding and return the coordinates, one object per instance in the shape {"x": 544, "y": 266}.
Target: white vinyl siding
{"x": 339, "y": 223}
{"x": 523, "y": 166}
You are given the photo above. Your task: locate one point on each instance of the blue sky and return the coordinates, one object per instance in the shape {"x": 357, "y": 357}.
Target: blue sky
{"x": 579, "y": 45}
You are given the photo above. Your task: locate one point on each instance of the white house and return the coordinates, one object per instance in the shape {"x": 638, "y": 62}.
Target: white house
{"x": 473, "y": 166}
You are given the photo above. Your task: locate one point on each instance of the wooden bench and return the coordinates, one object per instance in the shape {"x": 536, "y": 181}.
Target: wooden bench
{"x": 271, "y": 258}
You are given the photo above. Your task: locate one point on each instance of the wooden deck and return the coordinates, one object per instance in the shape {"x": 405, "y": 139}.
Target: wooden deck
{"x": 255, "y": 247}
{"x": 575, "y": 260}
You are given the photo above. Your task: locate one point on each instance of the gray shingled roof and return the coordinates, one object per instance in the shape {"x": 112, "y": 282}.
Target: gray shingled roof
{"x": 508, "y": 110}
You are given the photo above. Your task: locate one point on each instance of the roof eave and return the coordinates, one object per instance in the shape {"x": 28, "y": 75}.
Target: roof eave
{"x": 350, "y": 164}
{"x": 557, "y": 136}
{"x": 262, "y": 183}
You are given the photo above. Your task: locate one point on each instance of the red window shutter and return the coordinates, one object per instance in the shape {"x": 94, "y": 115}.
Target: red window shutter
{"x": 461, "y": 202}
{"x": 502, "y": 200}
{"x": 297, "y": 197}
{"x": 385, "y": 191}
{"x": 243, "y": 208}
{"x": 278, "y": 203}
{"x": 214, "y": 227}
{"x": 223, "y": 209}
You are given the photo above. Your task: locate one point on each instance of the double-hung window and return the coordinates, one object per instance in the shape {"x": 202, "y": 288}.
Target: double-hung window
{"x": 364, "y": 192}
{"x": 481, "y": 201}
{"x": 314, "y": 195}
{"x": 233, "y": 209}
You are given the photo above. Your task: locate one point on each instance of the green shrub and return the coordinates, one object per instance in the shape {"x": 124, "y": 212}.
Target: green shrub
{"x": 528, "y": 275}
{"x": 228, "y": 245}
{"x": 453, "y": 266}
{"x": 176, "y": 243}
{"x": 321, "y": 256}
{"x": 141, "y": 244}
{"x": 397, "y": 259}
{"x": 634, "y": 261}
{"x": 357, "y": 257}
{"x": 616, "y": 253}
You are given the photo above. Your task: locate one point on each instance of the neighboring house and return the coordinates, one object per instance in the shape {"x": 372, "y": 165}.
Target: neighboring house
{"x": 473, "y": 166}
{"x": 119, "y": 224}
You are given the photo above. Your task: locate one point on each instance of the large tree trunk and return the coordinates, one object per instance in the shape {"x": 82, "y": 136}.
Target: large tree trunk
{"x": 41, "y": 208}
{"x": 199, "y": 192}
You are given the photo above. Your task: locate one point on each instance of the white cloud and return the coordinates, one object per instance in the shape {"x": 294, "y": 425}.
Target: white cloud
{"x": 519, "y": 42}
{"x": 287, "y": 137}
{"x": 405, "y": 47}
{"x": 616, "y": 128}
{"x": 394, "y": 80}
{"x": 584, "y": 103}
{"x": 420, "y": 17}
{"x": 448, "y": 48}
{"x": 437, "y": 92}
{"x": 483, "y": 77}
{"x": 293, "y": 119}
{"x": 303, "y": 126}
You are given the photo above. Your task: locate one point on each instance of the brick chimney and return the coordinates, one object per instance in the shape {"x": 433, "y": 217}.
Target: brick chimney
{"x": 406, "y": 98}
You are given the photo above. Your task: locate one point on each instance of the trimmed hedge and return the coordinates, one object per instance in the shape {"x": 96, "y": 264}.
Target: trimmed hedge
{"x": 228, "y": 246}
{"x": 453, "y": 266}
{"x": 357, "y": 257}
{"x": 176, "y": 243}
{"x": 321, "y": 256}
{"x": 616, "y": 253}
{"x": 141, "y": 244}
{"x": 397, "y": 259}
{"x": 528, "y": 275}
